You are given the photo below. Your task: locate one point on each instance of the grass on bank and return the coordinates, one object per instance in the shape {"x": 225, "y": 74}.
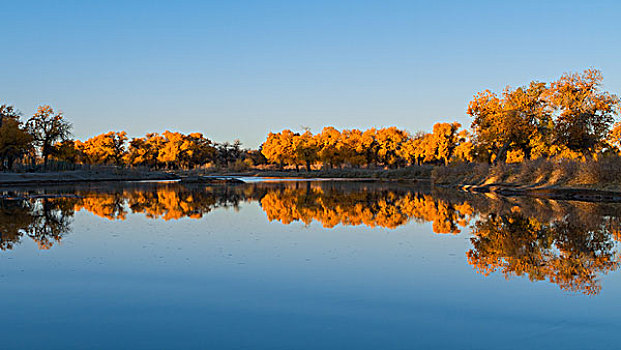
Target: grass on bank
{"x": 604, "y": 173}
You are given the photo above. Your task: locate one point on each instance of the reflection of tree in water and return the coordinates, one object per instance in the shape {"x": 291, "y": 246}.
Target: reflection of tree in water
{"x": 373, "y": 208}
{"x": 52, "y": 218}
{"x": 566, "y": 252}
{"x": 167, "y": 202}
{"x": 44, "y": 221}
{"x": 567, "y": 243}
{"x": 106, "y": 205}
{"x": 15, "y": 218}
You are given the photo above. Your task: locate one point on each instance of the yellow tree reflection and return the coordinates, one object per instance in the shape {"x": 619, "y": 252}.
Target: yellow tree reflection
{"x": 385, "y": 209}
{"x": 565, "y": 253}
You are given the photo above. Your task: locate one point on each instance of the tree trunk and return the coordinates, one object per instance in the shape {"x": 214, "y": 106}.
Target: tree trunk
{"x": 9, "y": 164}
{"x": 501, "y": 156}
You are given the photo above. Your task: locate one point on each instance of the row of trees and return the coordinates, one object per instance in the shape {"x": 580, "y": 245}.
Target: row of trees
{"x": 169, "y": 150}
{"x": 390, "y": 147}
{"x": 46, "y": 135}
{"x": 568, "y": 118}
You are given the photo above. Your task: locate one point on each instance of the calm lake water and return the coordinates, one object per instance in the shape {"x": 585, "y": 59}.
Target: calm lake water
{"x": 305, "y": 265}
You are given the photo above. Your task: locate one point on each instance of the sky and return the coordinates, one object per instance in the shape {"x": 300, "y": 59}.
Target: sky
{"x": 240, "y": 69}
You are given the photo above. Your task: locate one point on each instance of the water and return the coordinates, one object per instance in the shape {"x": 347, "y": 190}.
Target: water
{"x": 304, "y": 265}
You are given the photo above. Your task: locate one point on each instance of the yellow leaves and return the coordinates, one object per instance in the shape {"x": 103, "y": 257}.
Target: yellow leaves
{"x": 614, "y": 137}
{"x": 464, "y": 151}
{"x": 108, "y": 148}
{"x": 279, "y": 148}
{"x": 170, "y": 148}
{"x": 45, "y": 110}
{"x": 444, "y": 140}
{"x": 563, "y": 152}
{"x": 507, "y": 122}
{"x": 515, "y": 156}
{"x": 330, "y": 143}
{"x": 409, "y": 150}
{"x": 305, "y": 149}
{"x": 389, "y": 140}
{"x": 388, "y": 146}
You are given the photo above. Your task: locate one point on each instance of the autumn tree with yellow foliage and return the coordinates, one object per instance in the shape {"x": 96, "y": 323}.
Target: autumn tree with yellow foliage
{"x": 305, "y": 149}
{"x": 279, "y": 148}
{"x": 583, "y": 113}
{"x": 570, "y": 117}
{"x": 108, "y": 148}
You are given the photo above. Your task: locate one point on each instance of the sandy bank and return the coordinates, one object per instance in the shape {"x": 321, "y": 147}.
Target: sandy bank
{"x": 78, "y": 176}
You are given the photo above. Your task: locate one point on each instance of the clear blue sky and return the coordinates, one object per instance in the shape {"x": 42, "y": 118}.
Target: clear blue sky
{"x": 239, "y": 69}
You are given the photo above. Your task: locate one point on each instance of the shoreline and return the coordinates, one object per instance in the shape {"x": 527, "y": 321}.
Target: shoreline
{"x": 548, "y": 192}
{"x": 557, "y": 192}
{"x": 79, "y": 176}
{"x": 119, "y": 175}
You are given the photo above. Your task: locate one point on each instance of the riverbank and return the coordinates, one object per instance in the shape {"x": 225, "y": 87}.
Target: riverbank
{"x": 81, "y": 176}
{"x": 564, "y": 180}
{"x": 558, "y": 193}
{"x": 422, "y": 173}
{"x": 589, "y": 180}
{"x": 408, "y": 173}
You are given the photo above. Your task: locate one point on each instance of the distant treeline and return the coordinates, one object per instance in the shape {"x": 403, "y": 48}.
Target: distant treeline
{"x": 46, "y": 135}
{"x": 568, "y": 118}
{"x": 389, "y": 147}
{"x": 169, "y": 150}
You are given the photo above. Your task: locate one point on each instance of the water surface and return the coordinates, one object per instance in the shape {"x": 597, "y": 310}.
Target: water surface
{"x": 304, "y": 265}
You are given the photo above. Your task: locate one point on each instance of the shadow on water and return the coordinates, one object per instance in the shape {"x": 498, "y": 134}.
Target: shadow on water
{"x": 570, "y": 244}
